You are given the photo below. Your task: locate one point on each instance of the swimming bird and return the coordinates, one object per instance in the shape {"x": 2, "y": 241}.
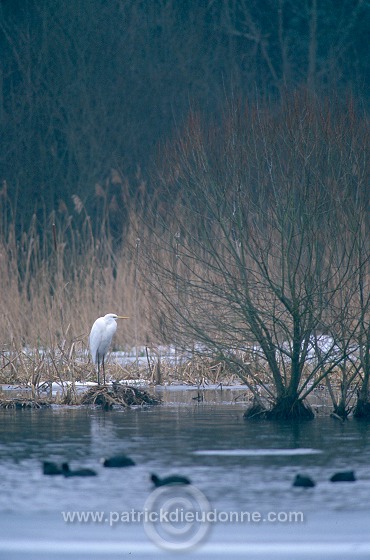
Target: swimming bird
{"x": 78, "y": 472}
{"x": 169, "y": 480}
{"x": 303, "y": 481}
{"x": 118, "y": 461}
{"x": 100, "y": 339}
{"x": 345, "y": 476}
{"x": 50, "y": 468}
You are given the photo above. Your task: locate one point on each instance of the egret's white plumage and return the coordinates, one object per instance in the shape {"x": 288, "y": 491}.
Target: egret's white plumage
{"x": 100, "y": 339}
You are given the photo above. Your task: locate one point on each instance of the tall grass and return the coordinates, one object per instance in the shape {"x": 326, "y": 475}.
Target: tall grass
{"x": 56, "y": 278}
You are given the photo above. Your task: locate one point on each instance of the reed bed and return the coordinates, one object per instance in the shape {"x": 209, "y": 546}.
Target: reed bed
{"x": 56, "y": 279}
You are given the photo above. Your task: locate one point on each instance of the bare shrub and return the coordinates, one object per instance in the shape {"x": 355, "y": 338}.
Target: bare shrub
{"x": 257, "y": 247}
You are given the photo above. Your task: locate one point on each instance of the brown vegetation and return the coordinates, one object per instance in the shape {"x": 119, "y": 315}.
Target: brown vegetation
{"x": 118, "y": 395}
{"x": 57, "y": 279}
{"x": 255, "y": 244}
{"x": 267, "y": 246}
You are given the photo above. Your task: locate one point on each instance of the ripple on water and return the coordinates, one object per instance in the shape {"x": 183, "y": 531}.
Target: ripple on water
{"x": 257, "y": 452}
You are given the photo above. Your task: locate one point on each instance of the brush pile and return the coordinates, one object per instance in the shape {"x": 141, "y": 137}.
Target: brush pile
{"x": 18, "y": 403}
{"x": 118, "y": 395}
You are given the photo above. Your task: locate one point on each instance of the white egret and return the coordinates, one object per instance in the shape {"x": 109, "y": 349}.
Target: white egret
{"x": 100, "y": 339}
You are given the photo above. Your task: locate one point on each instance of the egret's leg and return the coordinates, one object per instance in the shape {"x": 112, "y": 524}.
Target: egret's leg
{"x": 98, "y": 369}
{"x": 103, "y": 370}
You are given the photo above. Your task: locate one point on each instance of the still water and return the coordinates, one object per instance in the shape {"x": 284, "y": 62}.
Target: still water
{"x": 237, "y": 465}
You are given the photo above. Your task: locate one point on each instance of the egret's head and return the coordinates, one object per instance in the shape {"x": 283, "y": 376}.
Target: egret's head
{"x": 114, "y": 316}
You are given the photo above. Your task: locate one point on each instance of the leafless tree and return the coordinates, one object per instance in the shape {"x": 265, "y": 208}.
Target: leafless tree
{"x": 249, "y": 262}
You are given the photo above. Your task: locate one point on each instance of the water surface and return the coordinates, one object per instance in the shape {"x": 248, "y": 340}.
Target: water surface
{"x": 238, "y": 465}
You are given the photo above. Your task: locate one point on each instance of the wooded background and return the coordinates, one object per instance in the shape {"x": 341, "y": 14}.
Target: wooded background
{"x": 90, "y": 89}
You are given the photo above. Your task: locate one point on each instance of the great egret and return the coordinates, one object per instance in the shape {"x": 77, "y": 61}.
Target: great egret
{"x": 169, "y": 480}
{"x": 118, "y": 461}
{"x": 100, "y": 339}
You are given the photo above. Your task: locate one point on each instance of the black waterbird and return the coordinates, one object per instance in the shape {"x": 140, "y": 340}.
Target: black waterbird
{"x": 78, "y": 472}
{"x": 345, "y": 476}
{"x": 303, "y": 481}
{"x": 118, "y": 461}
{"x": 169, "y": 480}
